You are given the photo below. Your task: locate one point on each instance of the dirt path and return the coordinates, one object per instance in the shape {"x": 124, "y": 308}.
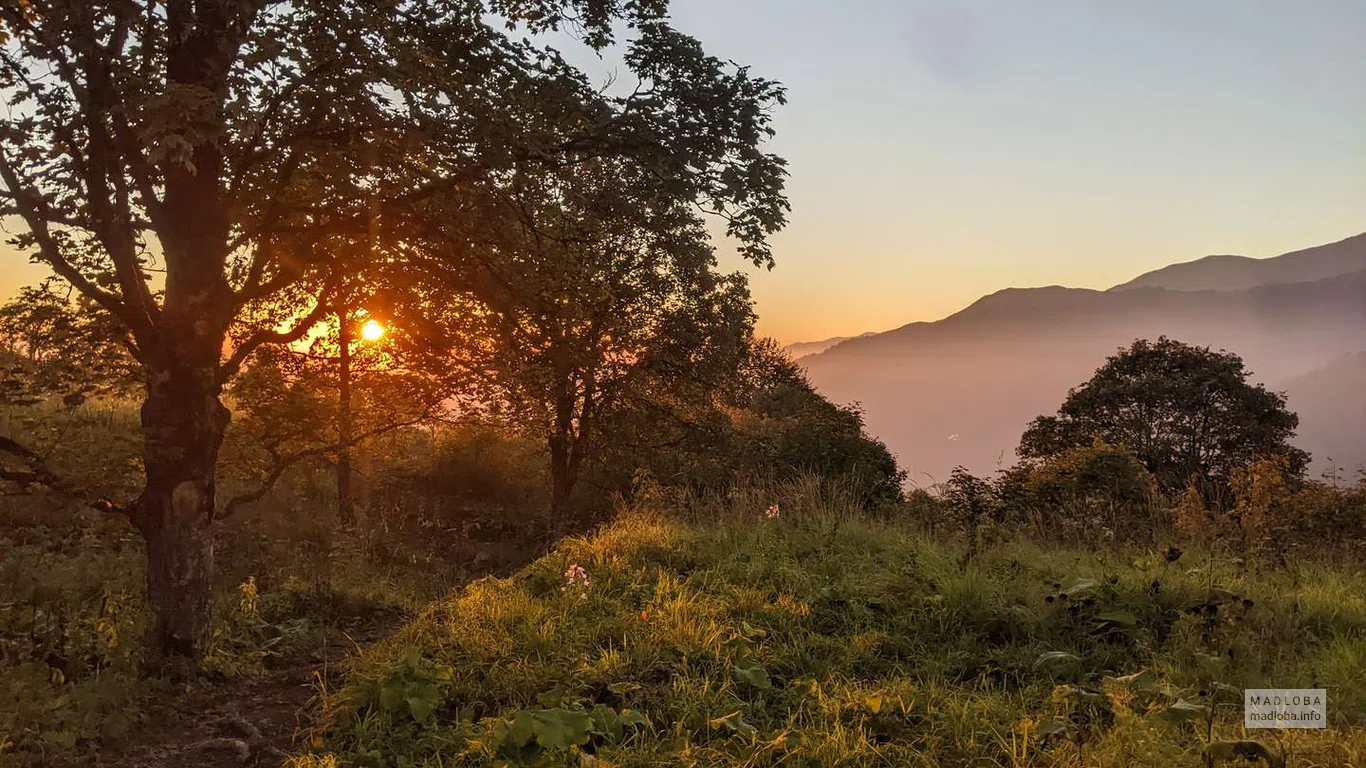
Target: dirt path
{"x": 253, "y": 721}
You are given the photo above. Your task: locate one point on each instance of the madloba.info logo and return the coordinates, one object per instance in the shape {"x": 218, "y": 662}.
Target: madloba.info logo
{"x": 1285, "y": 708}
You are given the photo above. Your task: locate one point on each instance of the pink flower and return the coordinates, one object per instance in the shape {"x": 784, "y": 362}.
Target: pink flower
{"x": 577, "y": 578}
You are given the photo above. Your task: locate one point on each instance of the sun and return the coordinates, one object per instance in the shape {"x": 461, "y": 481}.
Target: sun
{"x": 372, "y": 330}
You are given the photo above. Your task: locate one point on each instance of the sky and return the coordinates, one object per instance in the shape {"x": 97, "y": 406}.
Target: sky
{"x": 941, "y": 150}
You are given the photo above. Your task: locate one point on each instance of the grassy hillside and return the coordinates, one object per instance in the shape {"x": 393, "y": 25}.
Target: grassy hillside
{"x": 808, "y": 640}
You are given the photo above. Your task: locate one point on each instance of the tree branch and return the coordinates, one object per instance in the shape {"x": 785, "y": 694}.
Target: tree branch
{"x": 30, "y": 207}
{"x": 281, "y": 464}
{"x": 254, "y": 341}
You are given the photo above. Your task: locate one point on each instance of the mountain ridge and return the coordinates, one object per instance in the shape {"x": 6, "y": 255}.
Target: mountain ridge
{"x": 980, "y": 374}
{"x": 1230, "y": 272}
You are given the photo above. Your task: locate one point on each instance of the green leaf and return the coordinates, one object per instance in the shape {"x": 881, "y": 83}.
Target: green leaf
{"x": 1057, "y": 660}
{"x": 521, "y": 729}
{"x": 735, "y": 723}
{"x": 750, "y": 672}
{"x": 561, "y": 728}
{"x": 1141, "y": 680}
{"x": 1081, "y": 587}
{"x": 1120, "y": 618}
{"x": 1083, "y": 696}
{"x": 1184, "y": 710}
{"x": 422, "y": 700}
{"x": 391, "y": 696}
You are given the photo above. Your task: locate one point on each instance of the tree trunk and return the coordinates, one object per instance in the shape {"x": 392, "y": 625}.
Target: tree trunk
{"x": 562, "y": 478}
{"x": 346, "y": 513}
{"x": 183, "y": 424}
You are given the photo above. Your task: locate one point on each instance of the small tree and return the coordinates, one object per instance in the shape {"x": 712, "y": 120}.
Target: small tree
{"x": 975, "y": 504}
{"x": 1188, "y": 413}
{"x": 54, "y": 345}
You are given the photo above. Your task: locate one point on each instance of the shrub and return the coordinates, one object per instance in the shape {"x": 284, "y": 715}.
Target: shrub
{"x": 1096, "y": 490}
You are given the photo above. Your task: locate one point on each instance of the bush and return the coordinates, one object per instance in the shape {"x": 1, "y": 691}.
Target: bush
{"x": 1096, "y": 491}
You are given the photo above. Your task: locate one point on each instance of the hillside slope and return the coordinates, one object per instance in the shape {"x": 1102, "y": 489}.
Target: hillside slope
{"x": 801, "y": 349}
{"x": 764, "y": 642}
{"x": 1331, "y": 403}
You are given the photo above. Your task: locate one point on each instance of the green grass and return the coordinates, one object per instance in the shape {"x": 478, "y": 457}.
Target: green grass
{"x": 72, "y": 618}
{"x": 817, "y": 642}
{"x": 72, "y": 611}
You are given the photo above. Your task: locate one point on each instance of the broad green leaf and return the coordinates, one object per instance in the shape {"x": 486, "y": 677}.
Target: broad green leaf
{"x": 1121, "y": 618}
{"x": 1057, "y": 660}
{"x": 522, "y": 729}
{"x": 735, "y": 723}
{"x": 391, "y": 695}
{"x": 1184, "y": 710}
{"x": 561, "y": 728}
{"x": 753, "y": 674}
{"x": 1080, "y": 587}
{"x": 1143, "y": 679}
{"x": 422, "y": 699}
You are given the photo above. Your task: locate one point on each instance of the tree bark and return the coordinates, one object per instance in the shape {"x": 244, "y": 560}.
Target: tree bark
{"x": 562, "y": 478}
{"x": 183, "y": 423}
{"x": 346, "y": 513}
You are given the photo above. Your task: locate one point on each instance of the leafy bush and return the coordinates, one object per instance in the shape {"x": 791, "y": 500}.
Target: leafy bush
{"x": 1096, "y": 491}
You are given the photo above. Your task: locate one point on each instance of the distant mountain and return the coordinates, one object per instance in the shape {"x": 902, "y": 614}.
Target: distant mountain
{"x": 801, "y": 349}
{"x": 1332, "y": 412}
{"x": 961, "y": 390}
{"x": 1237, "y": 273}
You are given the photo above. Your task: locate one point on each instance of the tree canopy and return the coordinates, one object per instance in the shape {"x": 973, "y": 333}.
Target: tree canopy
{"x": 185, "y": 164}
{"x": 1188, "y": 413}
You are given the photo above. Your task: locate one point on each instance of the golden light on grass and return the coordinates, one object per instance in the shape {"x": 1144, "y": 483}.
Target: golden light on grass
{"x": 372, "y": 330}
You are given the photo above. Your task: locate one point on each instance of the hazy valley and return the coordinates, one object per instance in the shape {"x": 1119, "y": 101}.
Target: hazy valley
{"x": 962, "y": 389}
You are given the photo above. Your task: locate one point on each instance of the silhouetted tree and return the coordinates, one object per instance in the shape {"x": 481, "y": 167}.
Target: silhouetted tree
{"x": 1188, "y": 413}
{"x": 590, "y": 288}
{"x": 248, "y": 149}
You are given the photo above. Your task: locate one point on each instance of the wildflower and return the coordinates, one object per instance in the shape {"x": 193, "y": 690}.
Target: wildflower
{"x": 575, "y": 577}
{"x": 772, "y": 512}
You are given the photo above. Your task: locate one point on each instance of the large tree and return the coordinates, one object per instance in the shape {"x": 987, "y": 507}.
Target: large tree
{"x": 179, "y": 161}
{"x": 581, "y": 292}
{"x": 1188, "y": 413}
